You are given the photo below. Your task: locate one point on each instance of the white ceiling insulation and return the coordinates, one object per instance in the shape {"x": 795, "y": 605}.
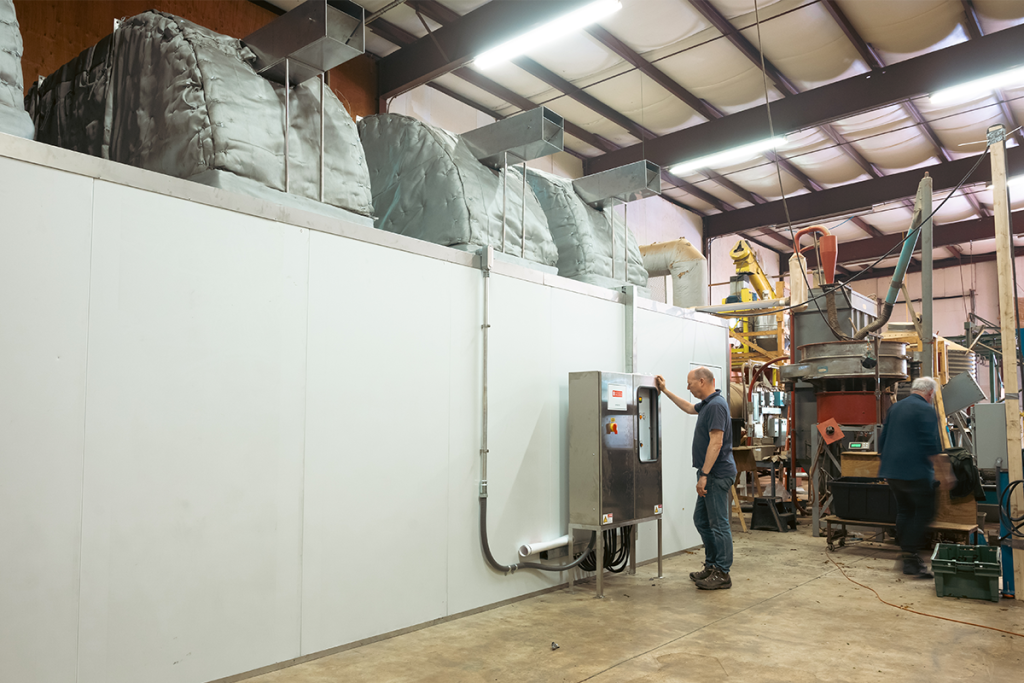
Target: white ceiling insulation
{"x": 805, "y": 40}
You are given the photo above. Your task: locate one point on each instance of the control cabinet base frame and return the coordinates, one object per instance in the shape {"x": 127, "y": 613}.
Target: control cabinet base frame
{"x": 599, "y": 549}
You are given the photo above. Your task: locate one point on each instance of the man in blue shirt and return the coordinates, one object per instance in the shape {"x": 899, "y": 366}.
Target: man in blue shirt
{"x": 716, "y": 473}
{"x": 909, "y": 448}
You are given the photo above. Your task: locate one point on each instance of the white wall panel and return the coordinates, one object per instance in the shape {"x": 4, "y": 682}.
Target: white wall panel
{"x": 668, "y": 346}
{"x": 261, "y": 442}
{"x": 588, "y": 334}
{"x": 522, "y": 443}
{"x": 194, "y": 439}
{"x": 44, "y": 307}
{"x": 377, "y": 449}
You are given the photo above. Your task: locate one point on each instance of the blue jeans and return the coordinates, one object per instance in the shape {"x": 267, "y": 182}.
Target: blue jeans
{"x": 711, "y": 517}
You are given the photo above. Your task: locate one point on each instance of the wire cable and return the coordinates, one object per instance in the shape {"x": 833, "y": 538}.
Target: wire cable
{"x": 923, "y": 614}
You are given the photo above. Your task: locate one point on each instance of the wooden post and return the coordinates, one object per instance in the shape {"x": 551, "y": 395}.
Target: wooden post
{"x": 1008, "y": 330}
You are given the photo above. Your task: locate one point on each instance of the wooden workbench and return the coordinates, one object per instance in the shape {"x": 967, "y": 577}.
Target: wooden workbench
{"x": 838, "y": 536}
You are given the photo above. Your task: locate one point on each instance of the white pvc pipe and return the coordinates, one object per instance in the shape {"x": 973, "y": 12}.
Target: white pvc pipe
{"x": 528, "y": 549}
{"x": 687, "y": 267}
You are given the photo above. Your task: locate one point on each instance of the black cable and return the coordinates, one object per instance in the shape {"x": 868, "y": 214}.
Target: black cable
{"x": 616, "y": 551}
{"x": 1005, "y": 516}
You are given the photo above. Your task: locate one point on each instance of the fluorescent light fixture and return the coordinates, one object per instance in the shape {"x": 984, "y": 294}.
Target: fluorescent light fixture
{"x": 728, "y": 156}
{"x": 1015, "y": 181}
{"x": 556, "y": 28}
{"x": 970, "y": 89}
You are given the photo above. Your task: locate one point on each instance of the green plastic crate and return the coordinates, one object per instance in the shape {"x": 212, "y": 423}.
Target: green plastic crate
{"x": 966, "y": 571}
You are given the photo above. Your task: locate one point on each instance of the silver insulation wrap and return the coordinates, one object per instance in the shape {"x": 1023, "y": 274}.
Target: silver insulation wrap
{"x": 428, "y": 184}
{"x": 164, "y": 94}
{"x": 13, "y": 119}
{"x": 583, "y": 234}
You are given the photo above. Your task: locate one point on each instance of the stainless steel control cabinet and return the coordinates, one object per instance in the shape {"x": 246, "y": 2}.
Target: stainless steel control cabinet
{"x": 614, "y": 449}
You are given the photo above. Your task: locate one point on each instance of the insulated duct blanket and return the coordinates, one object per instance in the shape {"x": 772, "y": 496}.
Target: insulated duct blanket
{"x": 13, "y": 119}
{"x": 164, "y": 94}
{"x": 428, "y": 184}
{"x": 583, "y": 235}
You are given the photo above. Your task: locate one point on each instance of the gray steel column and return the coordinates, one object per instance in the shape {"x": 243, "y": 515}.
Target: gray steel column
{"x": 927, "y": 245}
{"x": 504, "y": 196}
{"x": 632, "y": 549}
{"x": 625, "y": 241}
{"x": 611, "y": 218}
{"x": 572, "y": 572}
{"x": 599, "y": 549}
{"x": 661, "y": 574}
{"x": 287, "y": 118}
{"x": 323, "y": 78}
{"x": 522, "y": 245}
{"x": 631, "y": 350}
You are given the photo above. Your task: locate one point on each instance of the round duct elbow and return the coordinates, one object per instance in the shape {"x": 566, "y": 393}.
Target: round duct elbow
{"x": 687, "y": 267}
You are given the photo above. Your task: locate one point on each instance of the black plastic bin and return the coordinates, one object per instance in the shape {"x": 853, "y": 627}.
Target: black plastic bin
{"x": 863, "y": 498}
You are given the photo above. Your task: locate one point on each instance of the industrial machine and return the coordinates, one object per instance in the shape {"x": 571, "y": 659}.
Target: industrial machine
{"x": 615, "y": 476}
{"x": 761, "y": 336}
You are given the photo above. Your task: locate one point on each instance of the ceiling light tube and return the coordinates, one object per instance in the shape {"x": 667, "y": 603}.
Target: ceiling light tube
{"x": 1015, "y": 181}
{"x": 741, "y": 153}
{"x": 556, "y": 28}
{"x": 981, "y": 86}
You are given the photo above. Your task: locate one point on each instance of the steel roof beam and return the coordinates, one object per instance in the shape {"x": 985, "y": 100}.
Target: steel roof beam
{"x": 966, "y": 260}
{"x": 947, "y": 235}
{"x": 846, "y": 199}
{"x": 456, "y": 44}
{"x": 911, "y": 78}
{"x": 627, "y": 54}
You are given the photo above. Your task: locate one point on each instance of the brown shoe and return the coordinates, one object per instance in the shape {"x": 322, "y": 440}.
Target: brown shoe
{"x": 702, "y": 574}
{"x": 718, "y": 580}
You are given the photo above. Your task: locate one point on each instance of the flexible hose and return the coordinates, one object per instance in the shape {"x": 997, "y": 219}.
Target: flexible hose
{"x": 1005, "y": 514}
{"x": 506, "y": 568}
{"x": 757, "y": 374}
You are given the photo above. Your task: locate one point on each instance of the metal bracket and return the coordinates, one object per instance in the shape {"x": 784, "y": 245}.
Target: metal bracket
{"x": 996, "y": 134}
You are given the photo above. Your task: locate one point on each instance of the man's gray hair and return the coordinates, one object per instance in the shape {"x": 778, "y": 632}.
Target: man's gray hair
{"x": 924, "y": 384}
{"x": 704, "y": 374}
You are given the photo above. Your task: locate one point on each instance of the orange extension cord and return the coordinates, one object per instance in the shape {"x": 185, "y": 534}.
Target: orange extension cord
{"x": 914, "y": 611}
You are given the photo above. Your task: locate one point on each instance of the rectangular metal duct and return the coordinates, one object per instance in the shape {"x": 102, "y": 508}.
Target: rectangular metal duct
{"x": 314, "y": 37}
{"x": 529, "y": 135}
{"x": 623, "y": 184}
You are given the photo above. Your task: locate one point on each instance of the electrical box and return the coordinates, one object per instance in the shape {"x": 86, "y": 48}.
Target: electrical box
{"x": 614, "y": 448}
{"x": 989, "y": 427}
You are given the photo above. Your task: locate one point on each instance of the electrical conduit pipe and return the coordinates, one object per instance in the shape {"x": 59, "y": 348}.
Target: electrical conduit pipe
{"x": 685, "y": 264}
{"x": 486, "y": 262}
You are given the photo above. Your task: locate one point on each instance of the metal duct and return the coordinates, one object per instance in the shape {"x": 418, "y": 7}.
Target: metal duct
{"x": 13, "y": 118}
{"x": 685, "y": 264}
{"x": 167, "y": 95}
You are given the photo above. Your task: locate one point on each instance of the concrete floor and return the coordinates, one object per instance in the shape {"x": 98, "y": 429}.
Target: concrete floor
{"x": 791, "y": 616}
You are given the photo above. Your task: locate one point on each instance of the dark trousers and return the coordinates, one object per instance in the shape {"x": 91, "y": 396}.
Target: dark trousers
{"x": 915, "y": 510}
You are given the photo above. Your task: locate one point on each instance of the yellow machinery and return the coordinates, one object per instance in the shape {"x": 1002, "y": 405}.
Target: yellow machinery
{"x": 747, "y": 268}
{"x": 762, "y": 337}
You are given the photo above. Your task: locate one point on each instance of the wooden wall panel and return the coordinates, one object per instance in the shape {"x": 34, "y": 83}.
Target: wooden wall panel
{"x": 55, "y": 31}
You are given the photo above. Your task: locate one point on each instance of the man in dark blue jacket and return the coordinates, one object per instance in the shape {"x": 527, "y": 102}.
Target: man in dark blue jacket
{"x": 910, "y": 448}
{"x": 716, "y": 473}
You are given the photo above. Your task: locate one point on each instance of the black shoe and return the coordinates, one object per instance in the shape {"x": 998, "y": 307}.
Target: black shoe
{"x": 701, "y": 575}
{"x": 718, "y": 580}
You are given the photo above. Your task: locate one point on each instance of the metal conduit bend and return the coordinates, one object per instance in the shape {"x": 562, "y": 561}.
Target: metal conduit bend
{"x": 507, "y": 568}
